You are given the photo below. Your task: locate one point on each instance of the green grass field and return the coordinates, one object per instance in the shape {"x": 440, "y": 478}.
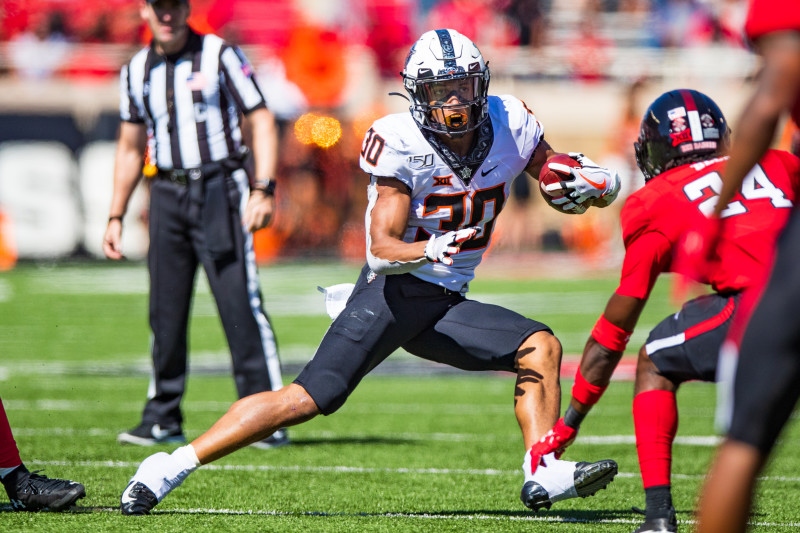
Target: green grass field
{"x": 414, "y": 449}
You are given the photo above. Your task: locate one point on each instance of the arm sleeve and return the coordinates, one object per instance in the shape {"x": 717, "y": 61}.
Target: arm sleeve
{"x": 239, "y": 80}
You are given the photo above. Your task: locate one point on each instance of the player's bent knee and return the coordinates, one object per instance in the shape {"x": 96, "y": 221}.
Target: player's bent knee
{"x": 287, "y": 406}
{"x": 540, "y": 349}
{"x": 649, "y": 377}
{"x": 298, "y": 404}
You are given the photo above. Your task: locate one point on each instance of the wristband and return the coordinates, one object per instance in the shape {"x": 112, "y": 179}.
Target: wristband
{"x": 114, "y": 217}
{"x": 265, "y": 186}
{"x": 585, "y": 392}
{"x": 610, "y": 336}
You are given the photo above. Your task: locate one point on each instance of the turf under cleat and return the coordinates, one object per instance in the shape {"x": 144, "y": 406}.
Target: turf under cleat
{"x": 667, "y": 524}
{"x": 137, "y": 499}
{"x": 587, "y": 479}
{"x": 30, "y": 491}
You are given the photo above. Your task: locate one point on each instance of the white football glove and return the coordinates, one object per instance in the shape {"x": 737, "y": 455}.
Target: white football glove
{"x": 590, "y": 182}
{"x": 439, "y": 249}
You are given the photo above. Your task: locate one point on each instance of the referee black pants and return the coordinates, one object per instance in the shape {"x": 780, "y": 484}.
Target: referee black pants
{"x": 178, "y": 243}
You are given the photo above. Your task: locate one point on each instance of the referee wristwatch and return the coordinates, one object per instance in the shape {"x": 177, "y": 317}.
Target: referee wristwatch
{"x": 266, "y": 186}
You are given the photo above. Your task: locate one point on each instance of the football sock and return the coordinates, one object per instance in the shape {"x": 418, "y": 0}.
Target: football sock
{"x": 655, "y": 419}
{"x": 161, "y": 473}
{"x": 11, "y": 477}
{"x": 186, "y": 457}
{"x": 555, "y": 476}
{"x": 6, "y": 471}
{"x": 9, "y": 454}
{"x": 658, "y": 501}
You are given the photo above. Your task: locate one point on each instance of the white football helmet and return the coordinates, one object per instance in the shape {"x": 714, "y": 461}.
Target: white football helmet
{"x": 441, "y": 65}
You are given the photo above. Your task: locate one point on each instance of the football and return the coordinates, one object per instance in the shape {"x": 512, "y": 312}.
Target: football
{"x": 548, "y": 176}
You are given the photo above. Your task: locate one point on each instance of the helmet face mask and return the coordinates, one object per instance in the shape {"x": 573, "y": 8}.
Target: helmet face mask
{"x": 448, "y": 82}
{"x": 678, "y": 128}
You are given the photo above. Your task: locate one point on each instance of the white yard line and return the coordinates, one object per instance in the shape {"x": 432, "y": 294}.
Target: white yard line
{"x": 364, "y": 470}
{"x": 703, "y": 441}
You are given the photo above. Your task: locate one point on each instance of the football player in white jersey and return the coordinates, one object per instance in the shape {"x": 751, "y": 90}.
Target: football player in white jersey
{"x": 440, "y": 175}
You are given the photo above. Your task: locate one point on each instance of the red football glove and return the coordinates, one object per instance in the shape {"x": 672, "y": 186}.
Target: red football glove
{"x": 554, "y": 441}
{"x": 696, "y": 252}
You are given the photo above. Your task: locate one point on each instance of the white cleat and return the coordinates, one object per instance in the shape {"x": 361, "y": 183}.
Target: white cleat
{"x": 557, "y": 480}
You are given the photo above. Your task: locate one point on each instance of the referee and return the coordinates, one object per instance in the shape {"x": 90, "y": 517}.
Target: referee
{"x": 182, "y": 98}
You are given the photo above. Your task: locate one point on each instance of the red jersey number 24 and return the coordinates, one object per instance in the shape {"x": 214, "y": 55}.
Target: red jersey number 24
{"x": 756, "y": 185}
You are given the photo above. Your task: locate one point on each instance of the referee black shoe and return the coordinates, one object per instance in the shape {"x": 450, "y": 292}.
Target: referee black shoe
{"x": 588, "y": 479}
{"x": 149, "y": 434}
{"x": 137, "y": 499}
{"x": 30, "y": 491}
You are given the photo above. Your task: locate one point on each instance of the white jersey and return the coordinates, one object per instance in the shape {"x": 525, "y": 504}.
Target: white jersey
{"x": 440, "y": 201}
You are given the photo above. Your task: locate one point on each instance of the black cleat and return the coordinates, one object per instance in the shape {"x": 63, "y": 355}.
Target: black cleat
{"x": 137, "y": 499}
{"x": 589, "y": 478}
{"x": 148, "y": 434}
{"x": 659, "y": 525}
{"x": 276, "y": 440}
{"x": 30, "y": 491}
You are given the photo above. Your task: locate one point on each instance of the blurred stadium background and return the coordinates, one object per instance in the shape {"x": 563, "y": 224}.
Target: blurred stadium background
{"x": 587, "y": 68}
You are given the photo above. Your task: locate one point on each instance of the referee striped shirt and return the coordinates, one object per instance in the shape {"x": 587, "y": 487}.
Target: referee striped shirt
{"x": 190, "y": 101}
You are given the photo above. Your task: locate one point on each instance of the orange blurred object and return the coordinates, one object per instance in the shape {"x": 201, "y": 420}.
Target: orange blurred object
{"x": 318, "y": 129}
{"x": 315, "y": 62}
{"x": 8, "y": 247}
{"x": 267, "y": 244}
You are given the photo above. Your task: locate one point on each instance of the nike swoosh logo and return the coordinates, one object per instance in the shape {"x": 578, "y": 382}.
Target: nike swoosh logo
{"x": 484, "y": 172}
{"x": 592, "y": 183}
{"x": 159, "y": 433}
{"x": 126, "y": 497}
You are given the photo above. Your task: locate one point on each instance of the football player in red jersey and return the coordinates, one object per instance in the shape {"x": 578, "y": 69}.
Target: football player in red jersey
{"x": 765, "y": 386}
{"x": 681, "y": 151}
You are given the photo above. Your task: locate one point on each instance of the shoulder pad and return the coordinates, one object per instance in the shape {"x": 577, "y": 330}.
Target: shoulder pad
{"x": 387, "y": 145}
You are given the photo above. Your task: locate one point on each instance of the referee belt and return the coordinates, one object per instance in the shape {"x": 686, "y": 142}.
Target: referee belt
{"x": 183, "y": 176}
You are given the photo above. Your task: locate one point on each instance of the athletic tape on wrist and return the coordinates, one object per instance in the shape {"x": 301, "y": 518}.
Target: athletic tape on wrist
{"x": 585, "y": 392}
{"x": 609, "y": 335}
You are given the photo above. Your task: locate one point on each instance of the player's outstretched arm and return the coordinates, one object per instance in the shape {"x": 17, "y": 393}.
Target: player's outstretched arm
{"x": 600, "y": 357}
{"x": 776, "y": 92}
